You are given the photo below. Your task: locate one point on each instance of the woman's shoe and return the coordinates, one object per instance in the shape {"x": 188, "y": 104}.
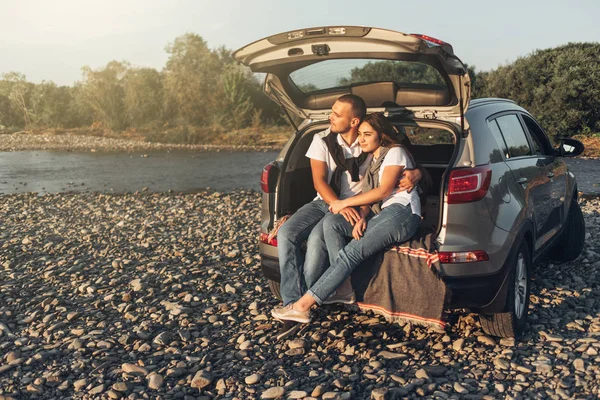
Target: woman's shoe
{"x": 341, "y": 298}
{"x": 344, "y": 294}
{"x": 287, "y": 313}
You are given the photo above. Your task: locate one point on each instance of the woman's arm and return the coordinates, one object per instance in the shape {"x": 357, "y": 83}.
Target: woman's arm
{"x": 389, "y": 179}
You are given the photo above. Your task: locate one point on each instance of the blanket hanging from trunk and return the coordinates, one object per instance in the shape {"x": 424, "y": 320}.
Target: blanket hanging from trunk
{"x": 403, "y": 283}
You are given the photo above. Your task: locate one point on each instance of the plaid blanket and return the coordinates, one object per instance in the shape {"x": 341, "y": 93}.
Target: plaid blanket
{"x": 403, "y": 283}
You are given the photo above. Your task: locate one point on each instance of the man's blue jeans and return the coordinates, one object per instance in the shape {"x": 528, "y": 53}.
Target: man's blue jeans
{"x": 299, "y": 271}
{"x": 395, "y": 223}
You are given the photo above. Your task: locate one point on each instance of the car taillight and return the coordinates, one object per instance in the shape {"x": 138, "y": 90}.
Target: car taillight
{"x": 447, "y": 47}
{"x": 264, "y": 238}
{"x": 469, "y": 184}
{"x": 449, "y": 257}
{"x": 268, "y": 177}
{"x": 428, "y": 38}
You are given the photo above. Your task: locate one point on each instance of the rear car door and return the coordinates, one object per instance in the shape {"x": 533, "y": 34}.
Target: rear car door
{"x": 556, "y": 172}
{"x": 530, "y": 171}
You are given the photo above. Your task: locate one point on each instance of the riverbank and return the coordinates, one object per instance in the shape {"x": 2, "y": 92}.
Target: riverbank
{"x": 161, "y": 295}
{"x": 273, "y": 140}
{"x": 72, "y": 142}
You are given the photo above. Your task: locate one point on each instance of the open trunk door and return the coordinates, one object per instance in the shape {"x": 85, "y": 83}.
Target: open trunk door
{"x": 308, "y": 69}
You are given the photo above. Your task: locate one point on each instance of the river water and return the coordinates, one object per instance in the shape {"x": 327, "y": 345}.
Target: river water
{"x": 180, "y": 171}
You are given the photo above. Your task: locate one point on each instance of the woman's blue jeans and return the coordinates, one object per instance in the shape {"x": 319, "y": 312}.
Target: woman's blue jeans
{"x": 300, "y": 271}
{"x": 394, "y": 224}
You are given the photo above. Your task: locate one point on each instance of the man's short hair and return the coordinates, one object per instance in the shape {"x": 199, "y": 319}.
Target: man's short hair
{"x": 359, "y": 108}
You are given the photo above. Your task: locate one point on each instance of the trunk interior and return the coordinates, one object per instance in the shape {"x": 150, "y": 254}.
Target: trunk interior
{"x": 431, "y": 144}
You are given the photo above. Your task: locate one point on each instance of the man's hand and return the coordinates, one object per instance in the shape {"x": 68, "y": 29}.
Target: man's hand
{"x": 359, "y": 229}
{"x": 409, "y": 179}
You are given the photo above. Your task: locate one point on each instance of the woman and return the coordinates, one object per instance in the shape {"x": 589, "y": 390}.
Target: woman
{"x": 393, "y": 216}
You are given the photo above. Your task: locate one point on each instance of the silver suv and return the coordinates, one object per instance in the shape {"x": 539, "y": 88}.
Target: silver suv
{"x": 501, "y": 195}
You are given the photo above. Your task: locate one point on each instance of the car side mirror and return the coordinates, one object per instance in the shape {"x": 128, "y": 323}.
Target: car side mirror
{"x": 569, "y": 148}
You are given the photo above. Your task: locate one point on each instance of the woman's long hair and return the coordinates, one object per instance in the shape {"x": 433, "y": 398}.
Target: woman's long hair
{"x": 386, "y": 131}
{"x": 387, "y": 136}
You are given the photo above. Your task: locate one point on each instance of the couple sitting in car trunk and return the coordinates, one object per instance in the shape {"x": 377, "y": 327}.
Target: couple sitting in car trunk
{"x": 364, "y": 181}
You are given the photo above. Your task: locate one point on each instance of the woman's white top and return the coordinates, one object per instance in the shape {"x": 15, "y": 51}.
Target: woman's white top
{"x": 398, "y": 156}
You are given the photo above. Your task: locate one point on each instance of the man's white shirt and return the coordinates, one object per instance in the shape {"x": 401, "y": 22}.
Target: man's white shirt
{"x": 318, "y": 151}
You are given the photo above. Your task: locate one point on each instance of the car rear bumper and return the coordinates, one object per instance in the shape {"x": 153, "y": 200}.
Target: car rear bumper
{"x": 270, "y": 267}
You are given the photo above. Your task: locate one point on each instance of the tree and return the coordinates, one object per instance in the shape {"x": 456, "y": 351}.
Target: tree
{"x": 18, "y": 94}
{"x": 560, "y": 86}
{"x": 104, "y": 91}
{"x": 237, "y": 104}
{"x": 191, "y": 80}
{"x": 143, "y": 96}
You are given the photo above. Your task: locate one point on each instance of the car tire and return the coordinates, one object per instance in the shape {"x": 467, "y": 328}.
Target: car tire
{"x": 570, "y": 243}
{"x": 274, "y": 286}
{"x": 511, "y": 322}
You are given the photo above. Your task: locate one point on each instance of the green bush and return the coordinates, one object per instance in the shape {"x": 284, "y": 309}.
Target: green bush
{"x": 559, "y": 86}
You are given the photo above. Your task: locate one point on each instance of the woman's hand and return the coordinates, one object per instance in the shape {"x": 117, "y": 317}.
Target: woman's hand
{"x": 359, "y": 229}
{"x": 337, "y": 205}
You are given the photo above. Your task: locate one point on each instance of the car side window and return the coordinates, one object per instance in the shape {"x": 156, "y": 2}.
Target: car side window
{"x": 493, "y": 125}
{"x": 538, "y": 137}
{"x": 514, "y": 136}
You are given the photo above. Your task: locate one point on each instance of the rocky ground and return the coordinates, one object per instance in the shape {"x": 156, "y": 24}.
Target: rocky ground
{"x": 161, "y": 296}
{"x": 69, "y": 142}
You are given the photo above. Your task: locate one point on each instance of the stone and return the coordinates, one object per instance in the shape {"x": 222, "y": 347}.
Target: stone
{"x": 252, "y": 379}
{"x": 97, "y": 389}
{"x": 501, "y": 364}
{"x": 579, "y": 365}
{"x": 273, "y": 393}
{"x": 460, "y": 389}
{"x": 379, "y": 394}
{"x": 486, "y": 340}
{"x": 202, "y": 379}
{"x": 155, "y": 381}
{"x": 422, "y": 374}
{"x": 458, "y": 344}
{"x": 120, "y": 387}
{"x": 134, "y": 369}
{"x": 79, "y": 384}
{"x": 297, "y": 394}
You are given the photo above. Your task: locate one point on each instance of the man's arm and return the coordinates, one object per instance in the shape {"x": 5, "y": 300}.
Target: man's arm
{"x": 319, "y": 175}
{"x": 409, "y": 179}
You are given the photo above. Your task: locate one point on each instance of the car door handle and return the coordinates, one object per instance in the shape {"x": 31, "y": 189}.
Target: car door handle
{"x": 522, "y": 181}
{"x": 550, "y": 174}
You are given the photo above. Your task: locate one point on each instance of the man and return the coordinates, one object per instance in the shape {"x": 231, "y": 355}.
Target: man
{"x": 337, "y": 165}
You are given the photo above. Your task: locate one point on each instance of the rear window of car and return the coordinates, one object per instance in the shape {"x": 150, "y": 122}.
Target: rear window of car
{"x": 331, "y": 74}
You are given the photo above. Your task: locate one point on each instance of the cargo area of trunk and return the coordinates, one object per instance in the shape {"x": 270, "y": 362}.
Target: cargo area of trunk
{"x": 431, "y": 144}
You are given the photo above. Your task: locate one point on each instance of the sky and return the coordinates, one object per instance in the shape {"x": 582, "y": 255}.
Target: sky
{"x": 53, "y": 40}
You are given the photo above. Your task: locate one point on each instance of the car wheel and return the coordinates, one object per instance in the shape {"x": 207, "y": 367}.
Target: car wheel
{"x": 274, "y": 286}
{"x": 511, "y": 322}
{"x": 570, "y": 243}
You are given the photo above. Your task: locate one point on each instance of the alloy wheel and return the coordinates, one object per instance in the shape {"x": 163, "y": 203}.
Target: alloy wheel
{"x": 520, "y": 286}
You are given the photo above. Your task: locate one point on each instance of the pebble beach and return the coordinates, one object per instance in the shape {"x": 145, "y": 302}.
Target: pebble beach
{"x": 160, "y": 296}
